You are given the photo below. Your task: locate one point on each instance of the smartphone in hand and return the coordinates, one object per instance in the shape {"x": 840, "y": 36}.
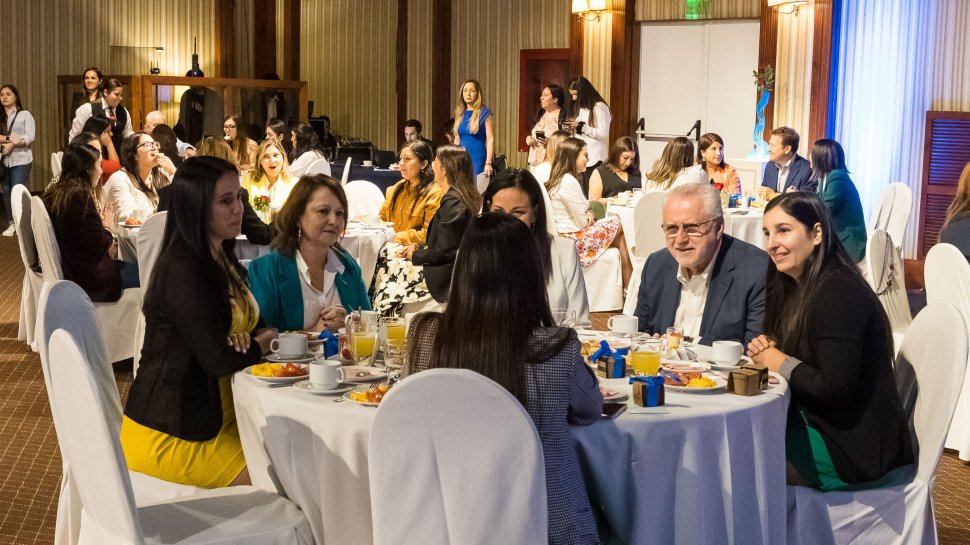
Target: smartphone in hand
{"x": 541, "y": 135}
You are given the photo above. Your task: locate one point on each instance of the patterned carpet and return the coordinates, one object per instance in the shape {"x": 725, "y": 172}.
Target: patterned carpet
{"x": 30, "y": 464}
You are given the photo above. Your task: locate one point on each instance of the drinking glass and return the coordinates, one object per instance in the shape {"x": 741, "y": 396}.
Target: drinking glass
{"x": 674, "y": 336}
{"x": 362, "y": 337}
{"x": 564, "y": 317}
{"x": 395, "y": 353}
{"x": 645, "y": 359}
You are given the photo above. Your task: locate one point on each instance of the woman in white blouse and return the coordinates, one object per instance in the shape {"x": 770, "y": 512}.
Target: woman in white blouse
{"x": 574, "y": 219}
{"x": 517, "y": 192}
{"x": 675, "y": 167}
{"x": 18, "y": 132}
{"x": 590, "y": 123}
{"x": 132, "y": 192}
{"x": 307, "y": 152}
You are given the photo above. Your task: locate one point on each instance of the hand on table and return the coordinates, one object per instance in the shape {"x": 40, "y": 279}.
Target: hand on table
{"x": 763, "y": 351}
{"x": 332, "y": 317}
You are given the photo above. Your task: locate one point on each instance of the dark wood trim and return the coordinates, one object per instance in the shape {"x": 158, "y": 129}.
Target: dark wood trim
{"x": 624, "y": 70}
{"x": 818, "y": 114}
{"x": 441, "y": 92}
{"x": 575, "y": 45}
{"x": 224, "y": 51}
{"x": 264, "y": 27}
{"x": 768, "y": 54}
{"x": 401, "y": 60}
{"x": 291, "y": 40}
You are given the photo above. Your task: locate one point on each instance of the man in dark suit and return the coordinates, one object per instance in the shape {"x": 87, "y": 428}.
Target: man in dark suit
{"x": 786, "y": 170}
{"x": 706, "y": 283}
{"x": 412, "y": 131}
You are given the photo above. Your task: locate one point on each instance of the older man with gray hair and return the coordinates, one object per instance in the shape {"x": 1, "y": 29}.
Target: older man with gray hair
{"x": 710, "y": 285}
{"x": 156, "y": 118}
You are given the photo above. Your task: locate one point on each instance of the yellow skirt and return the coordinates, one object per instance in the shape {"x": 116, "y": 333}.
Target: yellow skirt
{"x": 208, "y": 464}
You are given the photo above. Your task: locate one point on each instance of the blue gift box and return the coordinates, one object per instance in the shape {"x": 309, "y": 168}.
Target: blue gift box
{"x": 648, "y": 391}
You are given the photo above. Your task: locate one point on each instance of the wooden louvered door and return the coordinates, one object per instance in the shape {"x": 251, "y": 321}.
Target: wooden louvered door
{"x": 946, "y": 150}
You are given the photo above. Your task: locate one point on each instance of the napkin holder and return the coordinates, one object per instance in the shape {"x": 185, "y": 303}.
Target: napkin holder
{"x": 647, "y": 391}
{"x": 609, "y": 363}
{"x": 748, "y": 380}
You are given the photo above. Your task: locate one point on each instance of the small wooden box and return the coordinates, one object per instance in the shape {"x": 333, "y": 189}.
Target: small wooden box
{"x": 748, "y": 380}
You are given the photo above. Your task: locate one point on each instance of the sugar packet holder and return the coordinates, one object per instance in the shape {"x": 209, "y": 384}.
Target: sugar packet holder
{"x": 748, "y": 380}
{"x": 609, "y": 363}
{"x": 647, "y": 391}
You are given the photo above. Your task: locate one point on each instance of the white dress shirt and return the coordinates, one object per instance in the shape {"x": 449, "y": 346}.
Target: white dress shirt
{"x": 597, "y": 137}
{"x": 693, "y": 298}
{"x": 315, "y": 300}
{"x": 84, "y": 113}
{"x": 783, "y": 171}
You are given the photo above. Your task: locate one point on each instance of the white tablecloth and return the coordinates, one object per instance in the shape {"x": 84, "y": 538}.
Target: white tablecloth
{"x": 740, "y": 225}
{"x": 711, "y": 470}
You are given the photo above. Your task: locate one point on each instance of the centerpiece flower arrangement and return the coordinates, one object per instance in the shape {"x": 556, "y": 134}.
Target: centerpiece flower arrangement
{"x": 261, "y": 206}
{"x": 764, "y": 79}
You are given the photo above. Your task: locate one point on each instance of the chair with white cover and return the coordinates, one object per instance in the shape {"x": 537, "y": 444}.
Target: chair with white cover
{"x": 346, "y": 175}
{"x": 363, "y": 198}
{"x": 439, "y": 466}
{"x": 320, "y": 166}
{"x": 884, "y": 272}
{"x": 90, "y": 445}
{"x": 892, "y": 212}
{"x": 947, "y": 277}
{"x": 929, "y": 373}
{"x": 149, "y": 242}
{"x": 33, "y": 278}
{"x": 117, "y": 319}
{"x": 64, "y": 305}
{"x": 56, "y": 163}
{"x": 649, "y": 238}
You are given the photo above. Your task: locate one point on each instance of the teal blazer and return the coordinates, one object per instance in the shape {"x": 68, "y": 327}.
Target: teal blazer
{"x": 275, "y": 284}
{"x": 842, "y": 199}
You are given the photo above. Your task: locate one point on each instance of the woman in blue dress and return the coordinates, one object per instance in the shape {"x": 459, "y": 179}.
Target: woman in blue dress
{"x": 474, "y": 128}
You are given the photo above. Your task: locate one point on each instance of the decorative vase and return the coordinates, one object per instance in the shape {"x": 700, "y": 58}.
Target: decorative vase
{"x": 760, "y": 151}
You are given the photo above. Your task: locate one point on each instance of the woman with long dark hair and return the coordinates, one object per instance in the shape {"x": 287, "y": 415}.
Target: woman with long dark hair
{"x": 474, "y": 127}
{"x": 840, "y": 196}
{"x": 242, "y": 146}
{"x": 516, "y": 192}
{"x": 307, "y": 151}
{"x": 412, "y": 202}
{"x": 91, "y": 91}
{"x": 81, "y": 225}
{"x": 201, "y": 326}
{"x": 132, "y": 192}
{"x": 827, "y": 334}
{"x": 573, "y": 216}
{"x": 956, "y": 227}
{"x": 553, "y": 107}
{"x": 498, "y": 324}
{"x": 101, "y": 126}
{"x": 17, "y": 133}
{"x": 167, "y": 143}
{"x": 620, "y": 172}
{"x": 590, "y": 122}
{"x": 710, "y": 157}
{"x": 278, "y": 130}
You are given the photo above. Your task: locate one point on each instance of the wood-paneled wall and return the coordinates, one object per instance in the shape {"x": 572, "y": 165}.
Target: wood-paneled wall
{"x": 486, "y": 39}
{"x": 678, "y": 10}
{"x": 347, "y": 59}
{"x": 65, "y": 36}
{"x": 793, "y": 73}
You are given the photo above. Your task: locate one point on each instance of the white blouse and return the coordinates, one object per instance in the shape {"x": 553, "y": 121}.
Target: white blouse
{"x": 542, "y": 171}
{"x": 690, "y": 175}
{"x": 125, "y": 199}
{"x": 567, "y": 288}
{"x": 299, "y": 167}
{"x": 596, "y": 137}
{"x": 315, "y": 300}
{"x": 569, "y": 205}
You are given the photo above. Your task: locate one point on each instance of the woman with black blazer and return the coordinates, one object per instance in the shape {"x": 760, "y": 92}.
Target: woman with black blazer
{"x": 201, "y": 326}
{"x": 828, "y": 335}
{"x": 460, "y": 201}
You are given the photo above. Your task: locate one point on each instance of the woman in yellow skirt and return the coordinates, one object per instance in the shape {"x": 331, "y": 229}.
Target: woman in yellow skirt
{"x": 201, "y": 327}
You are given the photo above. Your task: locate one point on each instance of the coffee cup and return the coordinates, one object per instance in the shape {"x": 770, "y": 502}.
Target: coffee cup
{"x": 326, "y": 374}
{"x": 289, "y": 345}
{"x": 368, "y": 163}
{"x": 726, "y": 353}
{"x": 621, "y": 324}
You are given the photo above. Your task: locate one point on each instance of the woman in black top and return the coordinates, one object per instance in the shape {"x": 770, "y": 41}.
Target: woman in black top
{"x": 460, "y": 201}
{"x": 826, "y": 333}
{"x": 620, "y": 172}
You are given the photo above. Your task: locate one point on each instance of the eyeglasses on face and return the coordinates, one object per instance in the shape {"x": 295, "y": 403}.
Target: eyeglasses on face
{"x": 690, "y": 229}
{"x": 229, "y": 127}
{"x": 150, "y": 145}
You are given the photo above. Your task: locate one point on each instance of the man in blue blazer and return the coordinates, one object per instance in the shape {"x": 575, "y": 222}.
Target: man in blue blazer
{"x": 785, "y": 165}
{"x": 707, "y": 283}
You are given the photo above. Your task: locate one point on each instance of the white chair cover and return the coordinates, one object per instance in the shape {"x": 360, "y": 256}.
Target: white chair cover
{"x": 947, "y": 276}
{"x": 56, "y": 163}
{"x": 892, "y": 212}
{"x": 89, "y": 444}
{"x": 439, "y": 464}
{"x": 320, "y": 166}
{"x": 929, "y": 373}
{"x": 346, "y": 175}
{"x": 647, "y": 217}
{"x": 363, "y": 198}
{"x": 33, "y": 279}
{"x": 117, "y": 319}
{"x": 149, "y": 245}
{"x": 481, "y": 182}
{"x": 550, "y": 217}
{"x": 884, "y": 272}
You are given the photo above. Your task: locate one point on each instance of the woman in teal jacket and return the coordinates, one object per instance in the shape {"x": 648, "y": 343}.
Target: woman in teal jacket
{"x": 840, "y": 196}
{"x": 309, "y": 282}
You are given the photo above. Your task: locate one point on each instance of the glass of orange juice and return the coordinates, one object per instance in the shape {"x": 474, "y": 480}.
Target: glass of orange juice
{"x": 394, "y": 329}
{"x": 363, "y": 341}
{"x": 645, "y": 359}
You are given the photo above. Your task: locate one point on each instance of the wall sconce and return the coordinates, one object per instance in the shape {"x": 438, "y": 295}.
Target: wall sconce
{"x": 589, "y": 10}
{"x": 786, "y": 6}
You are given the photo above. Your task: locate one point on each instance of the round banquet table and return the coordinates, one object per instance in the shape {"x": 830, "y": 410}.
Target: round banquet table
{"x": 743, "y": 224}
{"x": 707, "y": 468}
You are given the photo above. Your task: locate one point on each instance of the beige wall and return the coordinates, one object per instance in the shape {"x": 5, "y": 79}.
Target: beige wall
{"x": 65, "y": 36}
{"x": 419, "y": 67}
{"x": 485, "y": 46}
{"x": 597, "y": 51}
{"x": 949, "y": 73}
{"x": 347, "y": 58}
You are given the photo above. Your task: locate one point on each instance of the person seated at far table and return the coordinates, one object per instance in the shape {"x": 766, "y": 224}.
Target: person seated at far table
{"x": 620, "y": 172}
{"x": 708, "y": 284}
{"x": 710, "y": 157}
{"x": 308, "y": 281}
{"x": 786, "y": 170}
{"x": 543, "y": 170}
{"x": 132, "y": 192}
{"x": 675, "y": 167}
{"x": 269, "y": 179}
{"x": 307, "y": 152}
{"x": 498, "y": 324}
{"x": 956, "y": 228}
{"x": 201, "y": 326}
{"x": 411, "y": 203}
{"x": 826, "y": 332}
{"x": 840, "y": 196}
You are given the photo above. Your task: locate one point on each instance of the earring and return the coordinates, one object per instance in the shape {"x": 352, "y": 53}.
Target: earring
{"x": 299, "y": 233}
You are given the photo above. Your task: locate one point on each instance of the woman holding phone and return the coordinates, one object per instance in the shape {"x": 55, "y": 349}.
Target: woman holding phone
{"x": 551, "y": 114}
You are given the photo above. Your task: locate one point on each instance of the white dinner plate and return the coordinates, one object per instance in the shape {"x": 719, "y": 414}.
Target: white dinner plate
{"x": 126, "y": 226}
{"x": 614, "y": 395}
{"x": 307, "y": 386}
{"x": 364, "y": 403}
{"x": 277, "y": 380}
{"x": 276, "y": 358}
{"x": 362, "y": 373}
{"x": 719, "y": 383}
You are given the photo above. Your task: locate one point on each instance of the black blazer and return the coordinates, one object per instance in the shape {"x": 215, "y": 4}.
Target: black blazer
{"x": 735, "y": 307}
{"x": 255, "y": 230}
{"x": 799, "y": 175}
{"x": 437, "y": 255}
{"x": 187, "y": 319}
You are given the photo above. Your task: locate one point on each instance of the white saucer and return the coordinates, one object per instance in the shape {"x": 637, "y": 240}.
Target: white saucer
{"x": 307, "y": 386}
{"x": 715, "y": 365}
{"x": 276, "y": 358}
